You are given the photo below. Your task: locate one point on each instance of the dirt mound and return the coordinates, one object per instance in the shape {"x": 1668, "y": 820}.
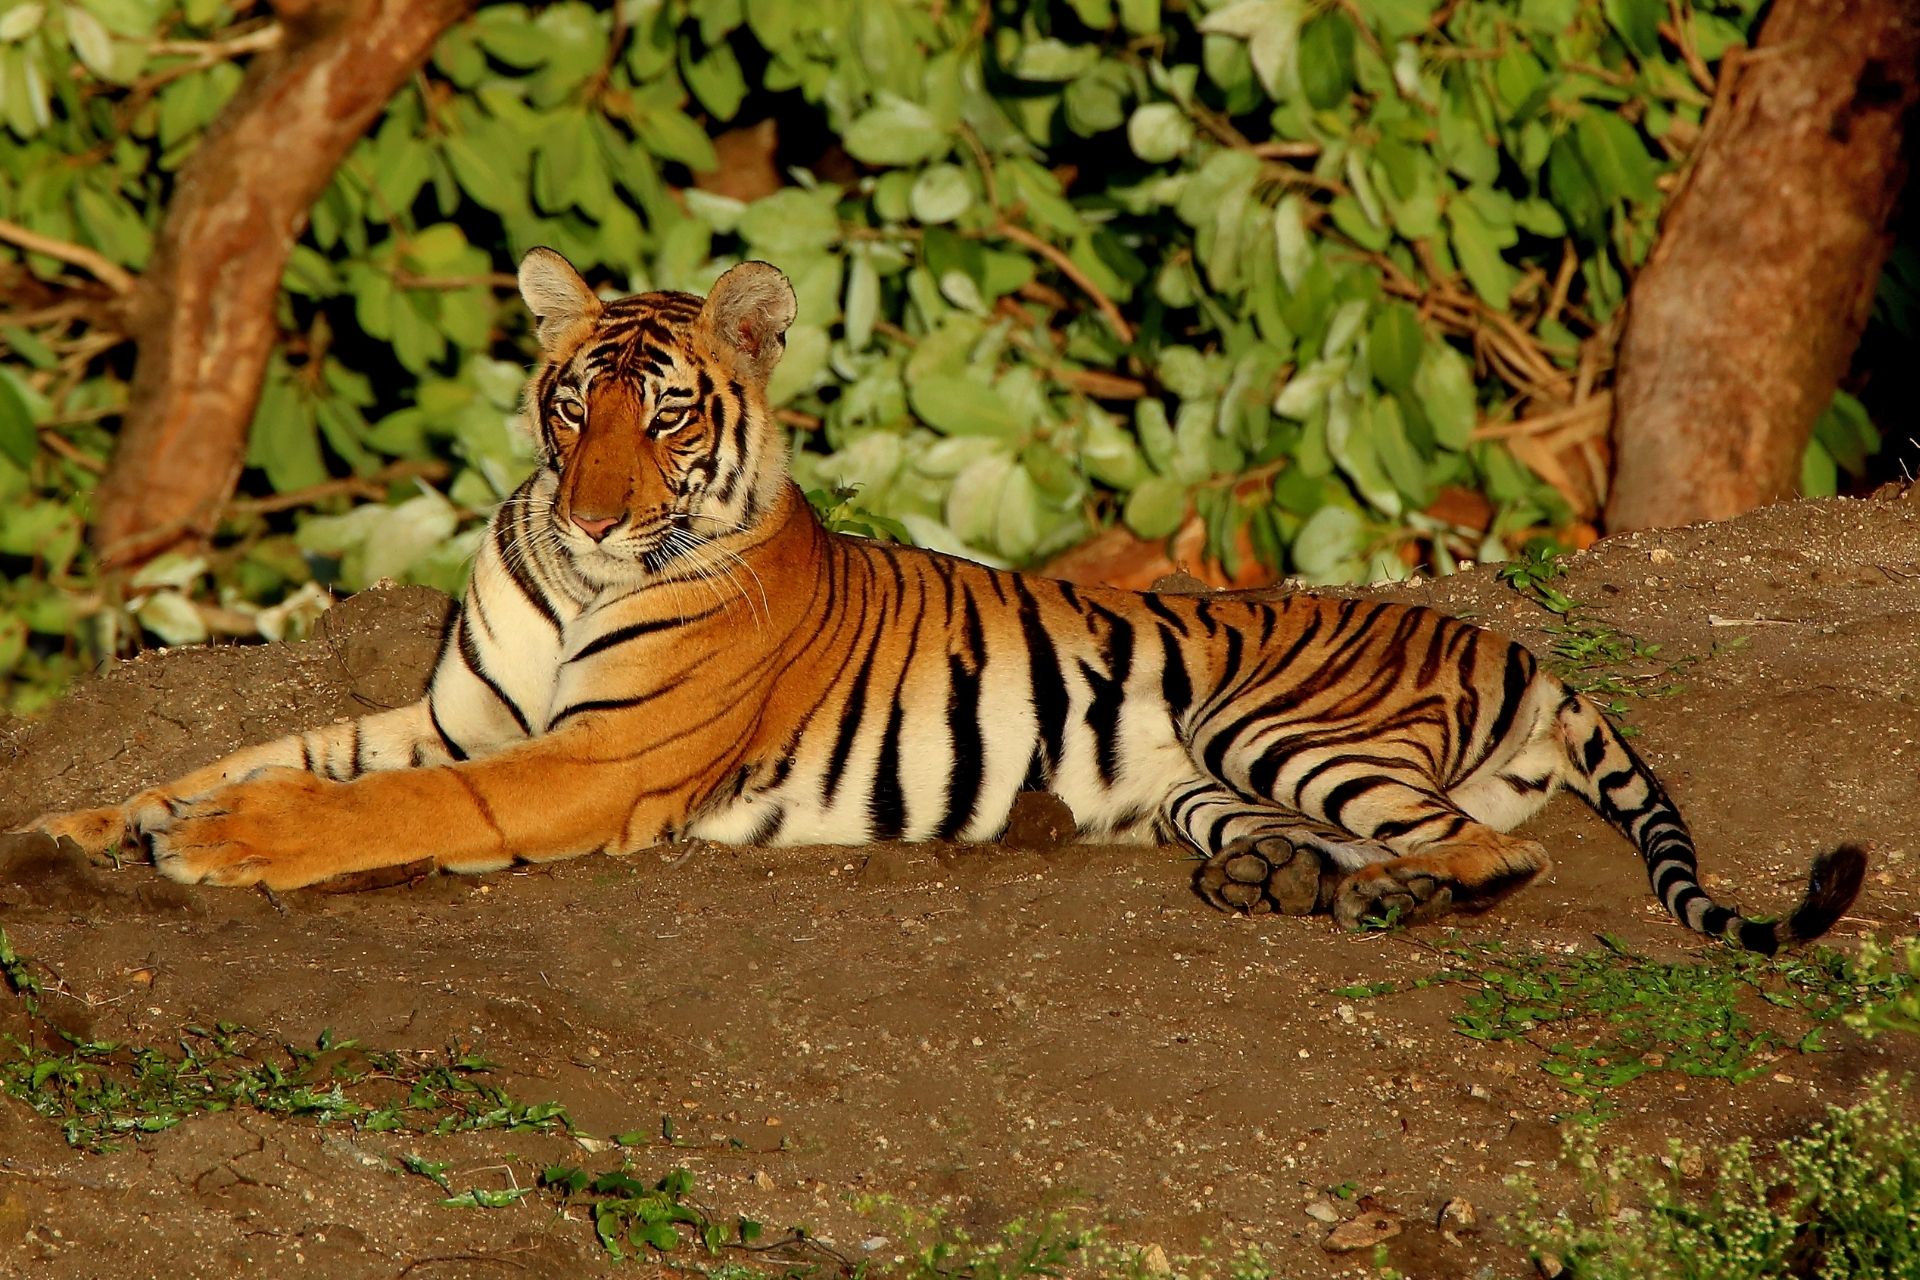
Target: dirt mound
{"x": 978, "y": 1031}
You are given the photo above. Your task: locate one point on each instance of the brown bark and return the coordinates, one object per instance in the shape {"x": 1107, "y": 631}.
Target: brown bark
{"x": 202, "y": 315}
{"x": 1743, "y": 321}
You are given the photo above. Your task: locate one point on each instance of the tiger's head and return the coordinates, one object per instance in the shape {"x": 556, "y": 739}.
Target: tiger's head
{"x": 651, "y": 417}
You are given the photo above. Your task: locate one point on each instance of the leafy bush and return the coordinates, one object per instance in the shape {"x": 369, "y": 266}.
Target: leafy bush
{"x": 1841, "y": 1202}
{"x": 1294, "y": 266}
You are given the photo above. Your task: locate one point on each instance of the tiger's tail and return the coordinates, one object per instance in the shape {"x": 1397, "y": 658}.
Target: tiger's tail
{"x": 1617, "y": 783}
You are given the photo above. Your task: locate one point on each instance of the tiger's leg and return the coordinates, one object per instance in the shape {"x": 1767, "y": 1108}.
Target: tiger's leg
{"x": 398, "y": 739}
{"x": 550, "y": 797}
{"x": 1260, "y": 859}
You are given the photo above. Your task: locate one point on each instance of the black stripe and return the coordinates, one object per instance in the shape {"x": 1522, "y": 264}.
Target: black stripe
{"x": 470, "y": 655}
{"x": 1109, "y": 690}
{"x": 1347, "y": 792}
{"x": 454, "y": 749}
{"x": 1594, "y": 750}
{"x": 1158, "y": 608}
{"x": 1332, "y": 762}
{"x": 516, "y": 565}
{"x": 856, "y": 710}
{"x": 620, "y": 635}
{"x": 887, "y": 804}
{"x": 1394, "y": 830}
{"x": 1175, "y": 687}
{"x": 1049, "y": 689}
{"x": 1518, "y": 675}
{"x": 963, "y": 721}
{"x": 607, "y": 704}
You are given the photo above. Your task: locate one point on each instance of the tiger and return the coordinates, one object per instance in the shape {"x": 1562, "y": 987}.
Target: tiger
{"x": 660, "y": 641}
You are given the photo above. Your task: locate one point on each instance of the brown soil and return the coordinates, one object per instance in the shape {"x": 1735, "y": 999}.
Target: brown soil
{"x": 983, "y": 1031}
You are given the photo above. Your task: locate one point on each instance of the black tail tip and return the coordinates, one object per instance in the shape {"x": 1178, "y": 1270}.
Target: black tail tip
{"x": 1832, "y": 886}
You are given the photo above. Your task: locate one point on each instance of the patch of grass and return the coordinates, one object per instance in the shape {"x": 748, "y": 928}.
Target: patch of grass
{"x": 1841, "y": 1202}
{"x": 1592, "y": 656}
{"x": 1051, "y": 1244}
{"x": 102, "y": 1090}
{"x": 1604, "y": 1018}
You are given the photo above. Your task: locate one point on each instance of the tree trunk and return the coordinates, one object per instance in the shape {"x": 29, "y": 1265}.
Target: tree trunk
{"x": 1744, "y": 319}
{"x": 203, "y": 313}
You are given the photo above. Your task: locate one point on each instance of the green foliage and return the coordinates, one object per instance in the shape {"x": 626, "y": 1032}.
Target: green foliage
{"x": 1067, "y": 264}
{"x": 1594, "y": 657}
{"x": 1841, "y": 1202}
{"x": 101, "y": 1092}
{"x": 1894, "y": 966}
{"x": 1604, "y": 1018}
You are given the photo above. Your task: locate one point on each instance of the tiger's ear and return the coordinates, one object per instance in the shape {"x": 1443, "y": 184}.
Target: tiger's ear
{"x": 747, "y": 315}
{"x": 559, "y": 299}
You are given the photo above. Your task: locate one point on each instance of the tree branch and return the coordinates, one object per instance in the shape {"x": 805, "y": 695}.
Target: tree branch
{"x": 1744, "y": 319}
{"x": 202, "y": 314}
{"x": 112, "y": 275}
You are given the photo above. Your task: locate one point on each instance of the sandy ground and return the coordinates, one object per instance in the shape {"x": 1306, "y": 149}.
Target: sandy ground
{"x": 982, "y": 1031}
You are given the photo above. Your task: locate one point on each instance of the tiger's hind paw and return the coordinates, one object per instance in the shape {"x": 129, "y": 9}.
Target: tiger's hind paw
{"x": 1385, "y": 894}
{"x": 1261, "y": 875}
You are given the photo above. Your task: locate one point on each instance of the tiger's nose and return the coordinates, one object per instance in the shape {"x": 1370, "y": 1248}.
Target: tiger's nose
{"x": 594, "y": 528}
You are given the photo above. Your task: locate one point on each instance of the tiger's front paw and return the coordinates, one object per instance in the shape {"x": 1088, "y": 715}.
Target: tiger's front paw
{"x": 267, "y": 830}
{"x": 103, "y": 833}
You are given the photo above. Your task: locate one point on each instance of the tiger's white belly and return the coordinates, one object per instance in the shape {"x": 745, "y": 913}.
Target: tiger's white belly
{"x": 796, "y": 810}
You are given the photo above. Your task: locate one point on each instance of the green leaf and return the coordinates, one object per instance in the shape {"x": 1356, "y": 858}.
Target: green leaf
{"x": 1271, "y": 29}
{"x": 672, "y": 135}
{"x": 1326, "y": 59}
{"x": 896, "y": 132}
{"x": 791, "y": 221}
{"x": 1054, "y": 60}
{"x": 17, "y": 437}
{"x": 1330, "y": 538}
{"x": 716, "y": 80}
{"x": 974, "y": 498}
{"x": 1444, "y": 385}
{"x": 1395, "y": 342}
{"x": 959, "y": 406}
{"x": 1616, "y": 159}
{"x": 1473, "y": 244}
{"x": 1155, "y": 434}
{"x": 1140, "y": 17}
{"x": 285, "y": 437}
{"x": 1401, "y": 461}
{"x": 1290, "y": 238}
{"x": 1350, "y": 442}
{"x": 1109, "y": 454}
{"x": 1159, "y": 132}
{"x": 481, "y": 1198}
{"x": 1156, "y": 508}
{"x": 1819, "y": 476}
{"x": 1638, "y": 22}
{"x": 862, "y": 307}
{"x": 940, "y": 194}
{"x": 1398, "y": 19}
{"x": 90, "y": 41}
{"x": 22, "y": 20}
